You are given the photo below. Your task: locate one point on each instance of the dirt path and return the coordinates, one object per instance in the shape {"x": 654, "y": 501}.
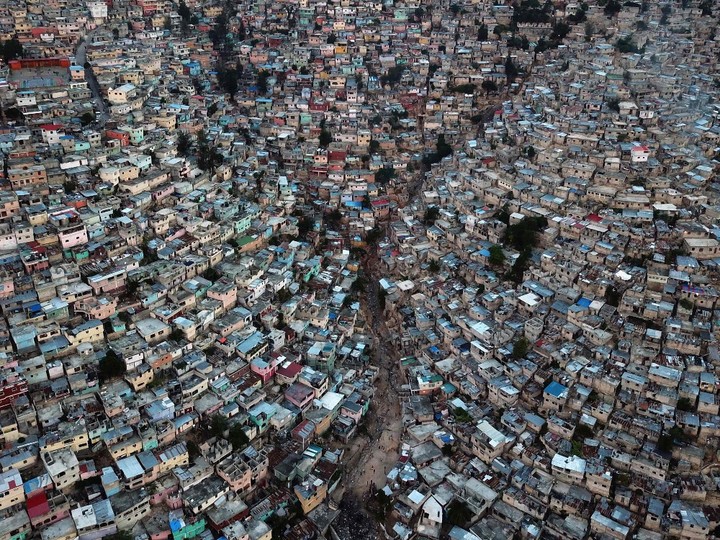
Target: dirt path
{"x": 372, "y": 456}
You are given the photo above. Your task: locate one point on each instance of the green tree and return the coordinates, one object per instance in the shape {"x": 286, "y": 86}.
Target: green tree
{"x": 686, "y": 303}
{"x": 684, "y": 404}
{"x": 482, "y": 33}
{"x": 111, "y": 366}
{"x": 228, "y": 80}
{"x": 626, "y": 45}
{"x": 497, "y": 256}
{"x": 431, "y": 214}
{"x": 612, "y": 7}
{"x": 261, "y": 81}
{"x": 613, "y": 104}
{"x": 120, "y": 535}
{"x": 434, "y": 266}
{"x": 184, "y": 11}
{"x": 193, "y": 450}
{"x": 87, "y": 118}
{"x": 211, "y": 274}
{"x": 218, "y": 425}
{"x": 589, "y": 30}
{"x": 560, "y": 31}
{"x": 208, "y": 158}
{"x": 177, "y": 335}
{"x": 511, "y": 70}
{"x": 11, "y": 49}
{"x": 393, "y": 76}
{"x": 489, "y": 86}
{"x": 325, "y": 138}
{"x": 183, "y": 143}
{"x": 520, "y": 348}
{"x": 382, "y": 295}
{"x": 358, "y": 285}
{"x": 305, "y": 225}
{"x": 458, "y": 513}
{"x": 237, "y": 437}
{"x": 523, "y": 235}
{"x": 384, "y": 175}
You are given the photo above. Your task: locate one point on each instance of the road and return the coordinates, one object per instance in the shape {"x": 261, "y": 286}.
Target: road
{"x": 373, "y": 455}
{"x": 103, "y": 113}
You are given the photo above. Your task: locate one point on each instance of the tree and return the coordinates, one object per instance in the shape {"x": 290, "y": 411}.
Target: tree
{"x": 305, "y": 225}
{"x": 111, "y": 366}
{"x": 612, "y": 7}
{"x": 87, "y": 118}
{"x": 455, "y": 9}
{"x": 520, "y": 348}
{"x": 325, "y": 138}
{"x": 358, "y": 285}
{"x": 523, "y": 235}
{"x": 393, "y": 75}
{"x": 560, "y": 31}
{"x": 434, "y": 266}
{"x": 208, "y": 158}
{"x": 463, "y": 88}
{"x": 183, "y": 143}
{"x": 684, "y": 404}
{"x": 458, "y": 513}
{"x": 211, "y": 274}
{"x": 497, "y": 256}
{"x": 589, "y": 30}
{"x": 184, "y": 11}
{"x": 626, "y": 45}
{"x": 70, "y": 186}
{"x": 228, "y": 80}
{"x": 237, "y": 437}
{"x": 612, "y": 296}
{"x": 193, "y": 450}
{"x": 374, "y": 146}
{"x": 120, "y": 535}
{"x": 334, "y": 217}
{"x": 511, "y": 70}
{"x": 261, "y": 81}
{"x": 500, "y": 29}
{"x": 218, "y": 425}
{"x": 482, "y": 33}
{"x": 384, "y": 175}
{"x": 382, "y": 296}
{"x": 431, "y": 214}
{"x": 373, "y": 235}
{"x": 177, "y": 335}
{"x": 11, "y": 49}
{"x": 489, "y": 86}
